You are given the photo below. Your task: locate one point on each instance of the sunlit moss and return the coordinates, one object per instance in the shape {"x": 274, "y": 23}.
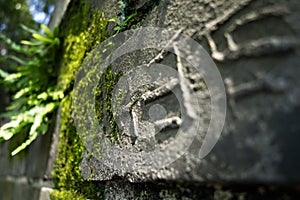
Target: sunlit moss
{"x": 84, "y": 29}
{"x": 104, "y": 105}
{"x": 79, "y": 39}
{"x": 66, "y": 194}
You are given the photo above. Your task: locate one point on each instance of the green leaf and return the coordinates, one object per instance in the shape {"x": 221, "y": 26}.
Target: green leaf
{"x": 30, "y": 43}
{"x": 49, "y": 108}
{"x": 42, "y": 38}
{"x": 57, "y": 95}
{"x": 47, "y": 30}
{"x": 129, "y": 18}
{"x": 12, "y": 45}
{"x": 113, "y": 19}
{"x": 26, "y": 28}
{"x": 40, "y": 114}
{"x": 12, "y": 77}
{"x": 32, "y": 135}
{"x": 3, "y": 74}
{"x": 21, "y": 92}
{"x": 43, "y": 96}
{"x": 11, "y": 128}
{"x": 17, "y": 105}
{"x": 18, "y": 59}
{"x": 5, "y": 135}
{"x": 117, "y": 28}
{"x": 56, "y": 42}
{"x": 33, "y": 85}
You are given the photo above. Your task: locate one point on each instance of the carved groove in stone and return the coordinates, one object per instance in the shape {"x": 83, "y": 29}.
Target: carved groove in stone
{"x": 257, "y": 47}
{"x": 184, "y": 85}
{"x": 160, "y": 91}
{"x": 263, "y": 83}
{"x": 172, "y": 122}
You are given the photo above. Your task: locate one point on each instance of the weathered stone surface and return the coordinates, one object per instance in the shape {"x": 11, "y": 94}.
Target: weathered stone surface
{"x": 259, "y": 69}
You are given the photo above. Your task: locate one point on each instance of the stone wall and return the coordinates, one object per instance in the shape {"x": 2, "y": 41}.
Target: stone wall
{"x": 255, "y": 45}
{"x": 260, "y": 74}
{"x": 259, "y": 68}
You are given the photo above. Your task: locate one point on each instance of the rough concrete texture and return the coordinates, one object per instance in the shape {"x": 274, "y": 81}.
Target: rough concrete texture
{"x": 255, "y": 45}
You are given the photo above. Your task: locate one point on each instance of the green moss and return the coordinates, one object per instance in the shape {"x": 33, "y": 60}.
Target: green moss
{"x": 81, "y": 32}
{"x": 103, "y": 105}
{"x": 83, "y": 29}
{"x": 68, "y": 194}
{"x": 69, "y": 150}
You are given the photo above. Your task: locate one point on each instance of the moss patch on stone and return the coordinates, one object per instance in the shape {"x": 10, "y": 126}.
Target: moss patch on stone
{"x": 103, "y": 105}
{"x": 63, "y": 195}
{"x": 67, "y": 174}
{"x": 82, "y": 30}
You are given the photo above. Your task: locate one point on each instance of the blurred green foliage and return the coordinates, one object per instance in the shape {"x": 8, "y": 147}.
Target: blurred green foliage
{"x": 27, "y": 70}
{"x": 12, "y": 14}
{"x": 33, "y": 84}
